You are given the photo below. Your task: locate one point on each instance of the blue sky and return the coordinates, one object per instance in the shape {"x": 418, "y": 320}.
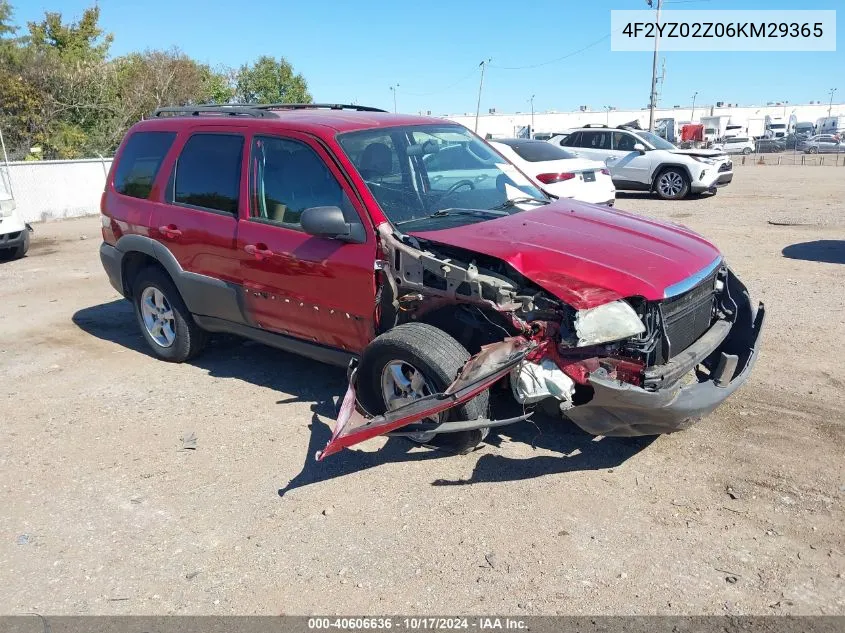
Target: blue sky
{"x": 354, "y": 50}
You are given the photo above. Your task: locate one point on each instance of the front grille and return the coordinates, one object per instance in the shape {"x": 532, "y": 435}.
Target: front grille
{"x": 10, "y": 236}
{"x": 687, "y": 316}
{"x": 726, "y": 166}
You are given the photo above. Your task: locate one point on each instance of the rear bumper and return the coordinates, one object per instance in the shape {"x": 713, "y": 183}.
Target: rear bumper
{"x": 112, "y": 260}
{"x": 621, "y": 409}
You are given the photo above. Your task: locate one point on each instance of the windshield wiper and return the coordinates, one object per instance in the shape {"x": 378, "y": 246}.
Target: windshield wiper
{"x": 444, "y": 212}
{"x": 507, "y": 204}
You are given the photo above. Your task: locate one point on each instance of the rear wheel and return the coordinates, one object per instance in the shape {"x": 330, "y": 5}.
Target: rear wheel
{"x": 746, "y": 151}
{"x": 412, "y": 361}
{"x": 672, "y": 184}
{"x": 165, "y": 321}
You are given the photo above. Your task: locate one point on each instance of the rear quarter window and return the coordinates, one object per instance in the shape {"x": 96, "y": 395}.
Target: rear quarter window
{"x": 140, "y": 161}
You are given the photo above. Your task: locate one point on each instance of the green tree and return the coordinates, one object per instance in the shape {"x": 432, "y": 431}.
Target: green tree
{"x": 77, "y": 41}
{"x": 270, "y": 81}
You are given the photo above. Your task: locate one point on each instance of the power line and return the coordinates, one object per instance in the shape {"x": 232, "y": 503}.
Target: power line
{"x": 553, "y": 61}
{"x": 444, "y": 88}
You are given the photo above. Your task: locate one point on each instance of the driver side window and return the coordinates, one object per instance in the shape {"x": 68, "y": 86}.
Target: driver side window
{"x": 623, "y": 142}
{"x": 287, "y": 177}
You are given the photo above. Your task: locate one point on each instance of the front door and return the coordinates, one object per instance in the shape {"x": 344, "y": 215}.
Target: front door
{"x": 314, "y": 288}
{"x": 628, "y": 164}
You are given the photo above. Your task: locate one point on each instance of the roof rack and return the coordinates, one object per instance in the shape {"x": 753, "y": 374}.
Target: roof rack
{"x": 595, "y": 125}
{"x": 314, "y": 106}
{"x": 254, "y": 110}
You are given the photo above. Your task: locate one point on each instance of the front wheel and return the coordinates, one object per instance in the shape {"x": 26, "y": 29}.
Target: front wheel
{"x": 165, "y": 321}
{"x": 813, "y": 150}
{"x": 746, "y": 151}
{"x": 672, "y": 184}
{"x": 412, "y": 361}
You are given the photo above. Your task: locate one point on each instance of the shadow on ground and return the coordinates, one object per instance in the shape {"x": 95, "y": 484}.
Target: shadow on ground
{"x": 322, "y": 385}
{"x": 826, "y": 251}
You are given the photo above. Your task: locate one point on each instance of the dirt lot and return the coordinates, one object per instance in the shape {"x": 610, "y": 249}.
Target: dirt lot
{"x": 103, "y": 512}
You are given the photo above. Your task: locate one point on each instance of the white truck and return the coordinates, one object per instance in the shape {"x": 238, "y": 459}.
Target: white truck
{"x": 831, "y": 125}
{"x": 714, "y": 127}
{"x": 736, "y": 127}
{"x": 780, "y": 127}
{"x": 756, "y": 127}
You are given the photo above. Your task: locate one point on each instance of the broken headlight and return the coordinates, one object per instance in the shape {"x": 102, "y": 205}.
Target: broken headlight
{"x": 612, "y": 321}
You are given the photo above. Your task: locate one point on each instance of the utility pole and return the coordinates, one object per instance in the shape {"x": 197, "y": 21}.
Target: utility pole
{"x": 531, "y": 133}
{"x": 653, "y": 104}
{"x": 480, "y": 86}
{"x": 692, "y": 114}
{"x": 393, "y": 89}
{"x": 607, "y": 116}
{"x": 830, "y": 104}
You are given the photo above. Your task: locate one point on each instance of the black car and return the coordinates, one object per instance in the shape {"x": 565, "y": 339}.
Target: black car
{"x": 769, "y": 145}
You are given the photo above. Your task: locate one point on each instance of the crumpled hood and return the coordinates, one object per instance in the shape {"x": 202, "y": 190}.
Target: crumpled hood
{"x": 584, "y": 254}
{"x": 703, "y": 153}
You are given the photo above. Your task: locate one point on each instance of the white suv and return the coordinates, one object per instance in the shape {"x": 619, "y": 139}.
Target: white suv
{"x": 643, "y": 161}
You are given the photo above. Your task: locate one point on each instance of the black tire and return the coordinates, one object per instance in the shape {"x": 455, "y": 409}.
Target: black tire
{"x": 746, "y": 151}
{"x": 674, "y": 173}
{"x": 439, "y": 357}
{"x": 813, "y": 150}
{"x": 190, "y": 338}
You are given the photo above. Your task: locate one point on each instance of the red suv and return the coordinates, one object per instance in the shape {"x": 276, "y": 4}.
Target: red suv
{"x": 346, "y": 234}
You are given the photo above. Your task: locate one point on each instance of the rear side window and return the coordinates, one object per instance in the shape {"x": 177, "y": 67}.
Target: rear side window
{"x": 573, "y": 140}
{"x": 595, "y": 140}
{"x": 535, "y": 152}
{"x": 140, "y": 161}
{"x": 208, "y": 172}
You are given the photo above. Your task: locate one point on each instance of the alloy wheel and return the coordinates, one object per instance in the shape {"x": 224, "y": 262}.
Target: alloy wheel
{"x": 157, "y": 314}
{"x": 670, "y": 184}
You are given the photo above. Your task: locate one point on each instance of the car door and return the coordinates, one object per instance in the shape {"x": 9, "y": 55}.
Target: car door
{"x": 595, "y": 144}
{"x": 196, "y": 217}
{"x": 628, "y": 164}
{"x": 314, "y": 288}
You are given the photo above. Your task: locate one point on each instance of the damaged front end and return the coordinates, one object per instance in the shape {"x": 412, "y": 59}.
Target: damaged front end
{"x": 624, "y": 367}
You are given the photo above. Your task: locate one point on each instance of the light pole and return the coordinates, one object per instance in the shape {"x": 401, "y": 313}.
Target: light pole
{"x": 830, "y": 103}
{"x": 692, "y": 114}
{"x": 652, "y": 103}
{"x": 607, "y": 116}
{"x": 393, "y": 89}
{"x": 480, "y": 85}
{"x": 531, "y": 133}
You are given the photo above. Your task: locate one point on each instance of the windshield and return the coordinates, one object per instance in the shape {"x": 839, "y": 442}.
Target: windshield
{"x": 655, "y": 141}
{"x": 776, "y": 126}
{"x": 414, "y": 172}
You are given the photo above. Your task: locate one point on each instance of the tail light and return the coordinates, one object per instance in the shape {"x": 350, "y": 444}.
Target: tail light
{"x": 548, "y": 179}
{"x": 606, "y": 172}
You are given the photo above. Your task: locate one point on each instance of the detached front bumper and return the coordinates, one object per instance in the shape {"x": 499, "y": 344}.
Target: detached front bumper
{"x": 621, "y": 409}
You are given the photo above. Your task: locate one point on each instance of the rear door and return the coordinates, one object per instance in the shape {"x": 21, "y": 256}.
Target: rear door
{"x": 313, "y": 288}
{"x": 198, "y": 217}
{"x": 595, "y": 144}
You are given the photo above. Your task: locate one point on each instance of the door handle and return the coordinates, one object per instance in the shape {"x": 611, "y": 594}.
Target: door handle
{"x": 170, "y": 231}
{"x": 259, "y": 251}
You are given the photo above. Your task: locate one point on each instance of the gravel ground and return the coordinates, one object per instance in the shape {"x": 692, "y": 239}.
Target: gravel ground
{"x": 105, "y": 512}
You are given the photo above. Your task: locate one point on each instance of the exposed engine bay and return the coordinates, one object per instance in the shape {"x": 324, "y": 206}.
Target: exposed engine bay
{"x": 552, "y": 352}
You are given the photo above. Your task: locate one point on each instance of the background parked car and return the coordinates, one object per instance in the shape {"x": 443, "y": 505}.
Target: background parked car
{"x": 769, "y": 145}
{"x": 736, "y": 145}
{"x": 823, "y": 144}
{"x": 558, "y": 171}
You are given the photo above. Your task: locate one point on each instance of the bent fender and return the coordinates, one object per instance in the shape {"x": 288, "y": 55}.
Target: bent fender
{"x": 479, "y": 373}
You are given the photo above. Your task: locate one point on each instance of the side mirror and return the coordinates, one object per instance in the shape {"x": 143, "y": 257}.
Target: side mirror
{"x": 329, "y": 222}
{"x": 639, "y": 147}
